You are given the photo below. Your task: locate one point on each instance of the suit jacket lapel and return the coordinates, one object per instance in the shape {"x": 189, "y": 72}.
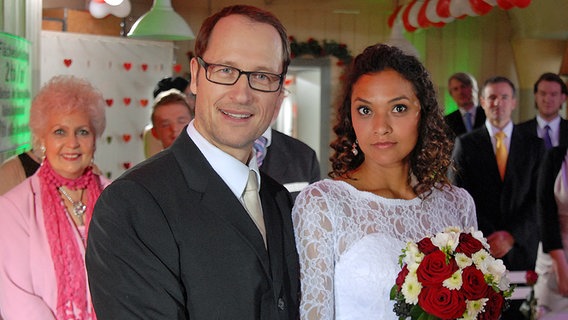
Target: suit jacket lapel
{"x": 217, "y": 198}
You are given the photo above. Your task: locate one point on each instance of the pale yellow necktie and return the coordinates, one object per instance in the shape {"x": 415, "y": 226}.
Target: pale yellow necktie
{"x": 252, "y": 204}
{"x": 501, "y": 153}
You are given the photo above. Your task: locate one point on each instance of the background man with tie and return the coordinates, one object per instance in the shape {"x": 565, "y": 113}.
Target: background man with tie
{"x": 550, "y": 93}
{"x": 463, "y": 89}
{"x": 176, "y": 236}
{"x": 287, "y": 160}
{"x": 498, "y": 165}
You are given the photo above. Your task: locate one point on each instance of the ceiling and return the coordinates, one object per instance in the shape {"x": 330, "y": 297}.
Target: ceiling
{"x": 540, "y": 20}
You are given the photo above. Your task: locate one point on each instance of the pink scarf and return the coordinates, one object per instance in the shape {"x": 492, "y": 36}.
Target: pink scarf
{"x": 68, "y": 261}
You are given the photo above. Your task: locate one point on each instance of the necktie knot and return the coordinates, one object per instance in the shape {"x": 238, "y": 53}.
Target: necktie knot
{"x": 252, "y": 183}
{"x": 500, "y": 136}
{"x": 260, "y": 149}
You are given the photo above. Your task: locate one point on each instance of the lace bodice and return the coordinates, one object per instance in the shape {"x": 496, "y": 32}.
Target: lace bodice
{"x": 349, "y": 242}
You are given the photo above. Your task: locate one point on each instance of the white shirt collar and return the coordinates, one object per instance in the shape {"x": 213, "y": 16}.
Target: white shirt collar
{"x": 508, "y": 129}
{"x": 233, "y": 172}
{"x": 472, "y": 111}
{"x": 554, "y": 124}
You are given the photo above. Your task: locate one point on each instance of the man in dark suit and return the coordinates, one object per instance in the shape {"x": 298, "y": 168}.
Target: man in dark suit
{"x": 176, "y": 237}
{"x": 504, "y": 196}
{"x": 550, "y": 93}
{"x": 463, "y": 89}
{"x": 289, "y": 161}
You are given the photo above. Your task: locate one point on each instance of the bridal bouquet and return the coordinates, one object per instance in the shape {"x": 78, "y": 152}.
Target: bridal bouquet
{"x": 450, "y": 275}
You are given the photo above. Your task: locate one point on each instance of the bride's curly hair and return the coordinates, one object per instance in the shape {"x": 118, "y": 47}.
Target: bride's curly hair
{"x": 430, "y": 159}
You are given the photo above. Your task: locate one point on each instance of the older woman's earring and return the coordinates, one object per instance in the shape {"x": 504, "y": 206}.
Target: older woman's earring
{"x": 42, "y": 149}
{"x": 354, "y": 149}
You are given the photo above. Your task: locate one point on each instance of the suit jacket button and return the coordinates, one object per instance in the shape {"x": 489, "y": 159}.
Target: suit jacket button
{"x": 281, "y": 304}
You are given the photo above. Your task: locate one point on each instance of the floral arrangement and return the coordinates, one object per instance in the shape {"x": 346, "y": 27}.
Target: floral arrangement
{"x": 450, "y": 275}
{"x": 314, "y": 48}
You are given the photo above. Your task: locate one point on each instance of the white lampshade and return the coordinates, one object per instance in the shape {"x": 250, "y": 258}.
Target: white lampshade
{"x": 161, "y": 23}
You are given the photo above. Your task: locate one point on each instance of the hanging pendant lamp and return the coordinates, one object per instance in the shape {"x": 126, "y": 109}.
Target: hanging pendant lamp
{"x": 161, "y": 23}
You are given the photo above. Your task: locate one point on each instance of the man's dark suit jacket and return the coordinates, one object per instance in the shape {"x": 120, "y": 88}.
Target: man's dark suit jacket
{"x": 530, "y": 126}
{"x": 503, "y": 205}
{"x": 455, "y": 121}
{"x": 169, "y": 240}
{"x": 290, "y": 162}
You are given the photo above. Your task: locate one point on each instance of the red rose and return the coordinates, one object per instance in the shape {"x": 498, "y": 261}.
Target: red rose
{"x": 426, "y": 246}
{"x": 401, "y": 276}
{"x": 442, "y": 302}
{"x": 531, "y": 277}
{"x": 433, "y": 269}
{"x": 493, "y": 307}
{"x": 474, "y": 286}
{"x": 468, "y": 244}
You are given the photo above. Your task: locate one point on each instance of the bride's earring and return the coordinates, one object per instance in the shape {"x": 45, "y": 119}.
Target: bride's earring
{"x": 354, "y": 147}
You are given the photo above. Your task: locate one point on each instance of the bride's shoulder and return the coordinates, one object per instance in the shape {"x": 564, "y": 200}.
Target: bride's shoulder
{"x": 326, "y": 188}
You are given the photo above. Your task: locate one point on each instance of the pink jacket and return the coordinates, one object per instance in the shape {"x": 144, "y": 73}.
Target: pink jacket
{"x": 28, "y": 288}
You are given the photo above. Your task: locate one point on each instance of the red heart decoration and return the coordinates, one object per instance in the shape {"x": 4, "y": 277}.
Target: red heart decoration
{"x": 127, "y": 66}
{"x": 67, "y": 62}
{"x": 143, "y": 102}
{"x": 126, "y": 137}
{"x": 144, "y": 67}
{"x": 109, "y": 102}
{"x": 126, "y": 101}
{"x": 177, "y": 67}
{"x": 126, "y": 165}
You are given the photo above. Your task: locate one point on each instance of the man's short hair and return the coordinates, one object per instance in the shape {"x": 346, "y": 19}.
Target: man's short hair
{"x": 168, "y": 97}
{"x": 551, "y": 77}
{"x": 168, "y": 83}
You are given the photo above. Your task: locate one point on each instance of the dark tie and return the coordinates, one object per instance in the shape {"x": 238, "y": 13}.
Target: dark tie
{"x": 260, "y": 149}
{"x": 468, "y": 124}
{"x": 252, "y": 204}
{"x": 546, "y": 137}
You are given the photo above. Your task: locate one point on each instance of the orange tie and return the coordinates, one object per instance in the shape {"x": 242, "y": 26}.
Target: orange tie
{"x": 501, "y": 153}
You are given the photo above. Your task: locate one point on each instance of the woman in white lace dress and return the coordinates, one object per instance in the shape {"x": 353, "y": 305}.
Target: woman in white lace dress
{"x": 389, "y": 186}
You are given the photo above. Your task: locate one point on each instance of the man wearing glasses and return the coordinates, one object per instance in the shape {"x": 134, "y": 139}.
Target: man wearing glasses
{"x": 177, "y": 237}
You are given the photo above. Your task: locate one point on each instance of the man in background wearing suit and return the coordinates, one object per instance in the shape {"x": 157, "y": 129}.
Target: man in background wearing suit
{"x": 504, "y": 194}
{"x": 469, "y": 116}
{"x": 550, "y": 93}
{"x": 176, "y": 237}
{"x": 287, "y": 160}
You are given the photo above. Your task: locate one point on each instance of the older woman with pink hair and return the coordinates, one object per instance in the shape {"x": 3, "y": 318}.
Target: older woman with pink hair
{"x": 44, "y": 220}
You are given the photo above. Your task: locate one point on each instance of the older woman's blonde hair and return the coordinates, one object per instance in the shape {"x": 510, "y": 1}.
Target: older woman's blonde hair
{"x": 65, "y": 94}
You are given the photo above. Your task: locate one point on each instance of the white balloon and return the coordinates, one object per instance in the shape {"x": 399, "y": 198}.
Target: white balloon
{"x": 122, "y": 10}
{"x": 114, "y": 2}
{"x": 98, "y": 10}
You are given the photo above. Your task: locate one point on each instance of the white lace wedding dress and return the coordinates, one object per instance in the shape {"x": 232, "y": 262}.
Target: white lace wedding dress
{"x": 349, "y": 242}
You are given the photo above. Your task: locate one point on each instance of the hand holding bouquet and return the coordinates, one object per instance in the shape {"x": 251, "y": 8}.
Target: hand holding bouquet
{"x": 450, "y": 276}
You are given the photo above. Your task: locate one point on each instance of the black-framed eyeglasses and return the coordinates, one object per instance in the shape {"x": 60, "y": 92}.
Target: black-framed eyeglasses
{"x": 228, "y": 76}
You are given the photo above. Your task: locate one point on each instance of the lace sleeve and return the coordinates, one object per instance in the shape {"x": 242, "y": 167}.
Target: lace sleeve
{"x": 315, "y": 241}
{"x": 467, "y": 208}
